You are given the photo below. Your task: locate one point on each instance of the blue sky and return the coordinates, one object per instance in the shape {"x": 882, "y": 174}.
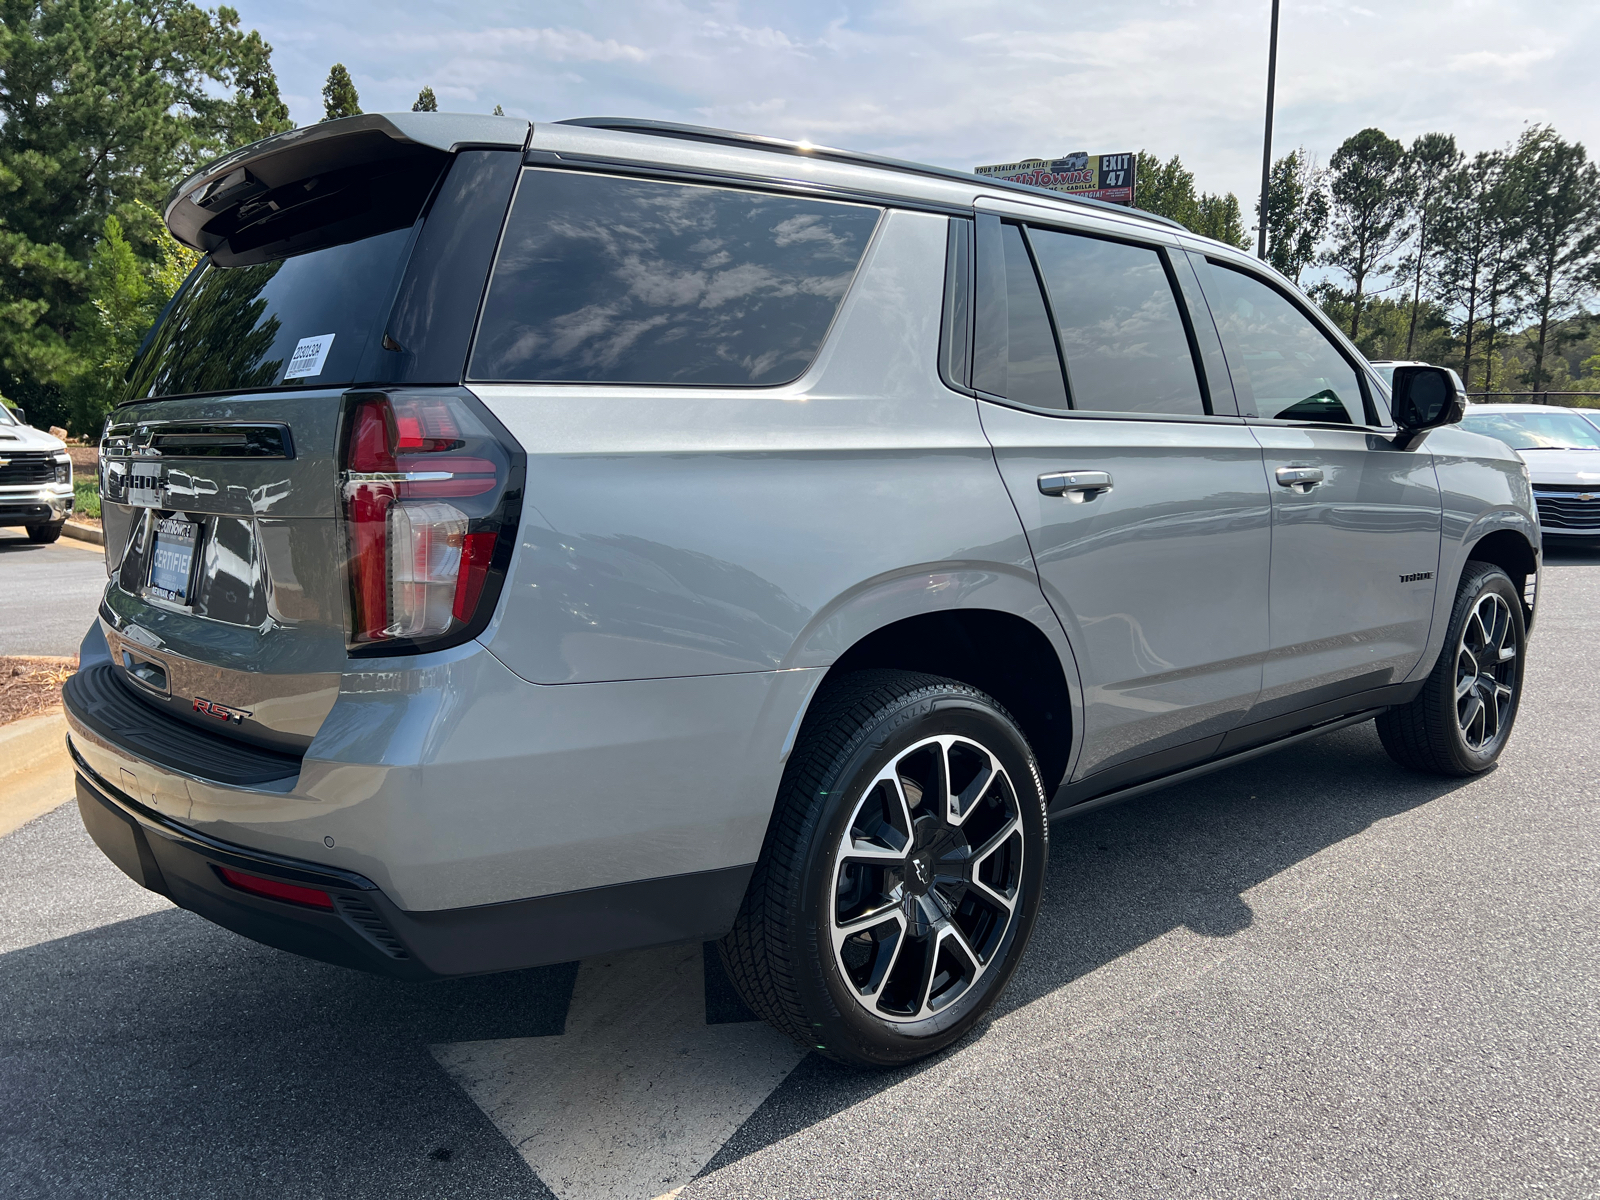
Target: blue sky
{"x": 975, "y": 82}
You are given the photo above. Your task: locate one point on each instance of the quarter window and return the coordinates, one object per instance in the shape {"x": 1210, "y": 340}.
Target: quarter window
{"x": 1282, "y": 364}
{"x": 1122, "y": 334}
{"x": 608, "y": 280}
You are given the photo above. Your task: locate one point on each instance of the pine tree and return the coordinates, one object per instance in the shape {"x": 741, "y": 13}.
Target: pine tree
{"x": 426, "y": 101}
{"x": 498, "y": 111}
{"x": 339, "y": 98}
{"x": 104, "y": 105}
{"x": 1297, "y": 212}
{"x": 1370, "y": 197}
{"x": 1561, "y": 238}
{"x": 1430, "y": 162}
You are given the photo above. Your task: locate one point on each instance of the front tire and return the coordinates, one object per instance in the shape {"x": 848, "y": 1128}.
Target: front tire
{"x": 1461, "y": 720}
{"x": 902, "y": 872}
{"x": 45, "y": 533}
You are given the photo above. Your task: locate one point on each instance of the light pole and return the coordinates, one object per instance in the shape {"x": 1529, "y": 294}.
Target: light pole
{"x": 1266, "y": 141}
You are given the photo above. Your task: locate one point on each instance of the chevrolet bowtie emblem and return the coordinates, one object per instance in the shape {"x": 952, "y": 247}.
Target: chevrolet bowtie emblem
{"x": 5, "y": 462}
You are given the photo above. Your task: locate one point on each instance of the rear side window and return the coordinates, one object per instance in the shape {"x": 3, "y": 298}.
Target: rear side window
{"x": 301, "y": 320}
{"x": 1281, "y": 363}
{"x": 608, "y": 280}
{"x": 1014, "y": 355}
{"x": 1121, "y": 331}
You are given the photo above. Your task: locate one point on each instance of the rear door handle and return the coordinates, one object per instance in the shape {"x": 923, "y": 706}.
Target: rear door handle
{"x": 1299, "y": 479}
{"x": 1076, "y": 486}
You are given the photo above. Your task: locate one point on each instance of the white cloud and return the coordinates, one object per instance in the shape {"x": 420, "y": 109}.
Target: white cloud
{"x": 960, "y": 82}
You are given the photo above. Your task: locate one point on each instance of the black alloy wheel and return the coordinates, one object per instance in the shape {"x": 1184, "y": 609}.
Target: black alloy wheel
{"x": 902, "y": 871}
{"x": 1461, "y": 720}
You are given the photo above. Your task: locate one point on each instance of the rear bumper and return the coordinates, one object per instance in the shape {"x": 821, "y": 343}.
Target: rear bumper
{"x": 364, "y": 929}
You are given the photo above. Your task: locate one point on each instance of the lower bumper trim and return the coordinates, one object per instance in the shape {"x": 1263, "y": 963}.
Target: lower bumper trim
{"x": 367, "y": 931}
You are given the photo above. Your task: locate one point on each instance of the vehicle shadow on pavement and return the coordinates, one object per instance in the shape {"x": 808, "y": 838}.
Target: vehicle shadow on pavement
{"x": 1124, "y": 876}
{"x": 164, "y": 1056}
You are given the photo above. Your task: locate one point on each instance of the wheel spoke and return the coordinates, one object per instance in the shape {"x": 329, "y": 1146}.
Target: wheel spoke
{"x": 1470, "y": 717}
{"x": 882, "y": 915}
{"x": 1507, "y": 653}
{"x": 1465, "y": 684}
{"x": 959, "y": 804}
{"x": 996, "y": 842}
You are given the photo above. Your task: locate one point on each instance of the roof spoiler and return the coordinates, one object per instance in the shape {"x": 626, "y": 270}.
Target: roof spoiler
{"x": 377, "y": 139}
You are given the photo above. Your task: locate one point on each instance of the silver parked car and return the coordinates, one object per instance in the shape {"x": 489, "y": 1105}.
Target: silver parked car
{"x": 533, "y": 542}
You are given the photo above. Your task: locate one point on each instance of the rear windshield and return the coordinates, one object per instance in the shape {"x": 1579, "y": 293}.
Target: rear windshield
{"x": 304, "y": 320}
{"x": 608, "y": 280}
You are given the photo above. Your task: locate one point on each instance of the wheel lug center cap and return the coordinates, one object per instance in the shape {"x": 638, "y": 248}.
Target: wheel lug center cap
{"x": 919, "y": 873}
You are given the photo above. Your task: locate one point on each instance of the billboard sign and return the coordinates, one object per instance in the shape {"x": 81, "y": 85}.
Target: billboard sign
{"x": 1107, "y": 177}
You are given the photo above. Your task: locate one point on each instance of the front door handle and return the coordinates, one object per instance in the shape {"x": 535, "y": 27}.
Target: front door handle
{"x": 1299, "y": 479}
{"x": 1076, "y": 486}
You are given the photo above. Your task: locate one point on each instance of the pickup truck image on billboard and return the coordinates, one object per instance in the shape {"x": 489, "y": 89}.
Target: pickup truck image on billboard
{"x": 1107, "y": 177}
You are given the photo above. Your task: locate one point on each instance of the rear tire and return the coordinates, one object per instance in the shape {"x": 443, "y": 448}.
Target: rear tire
{"x": 45, "y": 533}
{"x": 902, "y": 871}
{"x": 1461, "y": 720}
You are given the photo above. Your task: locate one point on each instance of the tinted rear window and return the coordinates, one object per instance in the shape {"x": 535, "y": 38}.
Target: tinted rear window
{"x": 1121, "y": 332}
{"x": 234, "y": 328}
{"x": 608, "y": 280}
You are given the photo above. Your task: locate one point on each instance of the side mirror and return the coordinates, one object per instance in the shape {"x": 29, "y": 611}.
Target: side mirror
{"x": 21, "y": 415}
{"x": 1426, "y": 397}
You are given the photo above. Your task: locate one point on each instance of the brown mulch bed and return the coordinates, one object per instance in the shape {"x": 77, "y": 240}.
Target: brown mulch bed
{"x": 30, "y": 686}
{"x": 84, "y": 458}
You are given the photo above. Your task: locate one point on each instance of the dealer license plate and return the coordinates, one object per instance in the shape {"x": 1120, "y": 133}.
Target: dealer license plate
{"x": 172, "y": 563}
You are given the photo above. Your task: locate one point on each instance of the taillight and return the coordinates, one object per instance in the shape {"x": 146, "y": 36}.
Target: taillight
{"x": 431, "y": 485}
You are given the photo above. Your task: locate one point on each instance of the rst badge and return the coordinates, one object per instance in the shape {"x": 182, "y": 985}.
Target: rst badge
{"x": 220, "y": 711}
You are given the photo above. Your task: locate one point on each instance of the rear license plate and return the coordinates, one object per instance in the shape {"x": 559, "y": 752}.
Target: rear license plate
{"x": 172, "y": 563}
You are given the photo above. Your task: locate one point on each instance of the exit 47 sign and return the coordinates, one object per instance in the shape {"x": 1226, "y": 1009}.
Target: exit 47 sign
{"x": 1098, "y": 176}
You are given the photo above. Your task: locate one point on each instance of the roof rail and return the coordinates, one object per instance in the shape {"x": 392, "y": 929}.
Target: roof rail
{"x": 752, "y": 141}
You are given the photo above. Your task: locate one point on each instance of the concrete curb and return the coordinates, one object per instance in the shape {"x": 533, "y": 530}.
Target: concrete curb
{"x": 37, "y": 775}
{"x": 84, "y": 533}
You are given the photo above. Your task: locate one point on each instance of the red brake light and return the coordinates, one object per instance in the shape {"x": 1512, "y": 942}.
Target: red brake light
{"x": 424, "y": 480}
{"x": 292, "y": 893}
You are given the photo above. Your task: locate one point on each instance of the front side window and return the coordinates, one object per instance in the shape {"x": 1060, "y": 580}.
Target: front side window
{"x": 601, "y": 279}
{"x": 1122, "y": 334}
{"x": 1281, "y": 362}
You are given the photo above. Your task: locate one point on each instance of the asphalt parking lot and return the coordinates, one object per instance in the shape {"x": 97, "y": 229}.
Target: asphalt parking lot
{"x": 1313, "y": 974}
{"x": 48, "y": 594}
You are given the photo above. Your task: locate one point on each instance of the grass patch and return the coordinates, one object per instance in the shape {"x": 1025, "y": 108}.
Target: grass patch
{"x": 86, "y": 496}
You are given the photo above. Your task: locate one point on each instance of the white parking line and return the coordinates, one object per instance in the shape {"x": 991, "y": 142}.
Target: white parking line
{"x": 639, "y": 1093}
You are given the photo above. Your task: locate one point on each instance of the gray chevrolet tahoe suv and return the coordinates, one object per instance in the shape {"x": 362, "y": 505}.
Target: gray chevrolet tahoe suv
{"x": 532, "y": 542}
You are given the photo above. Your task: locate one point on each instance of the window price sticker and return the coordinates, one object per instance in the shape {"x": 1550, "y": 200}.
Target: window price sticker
{"x": 309, "y": 355}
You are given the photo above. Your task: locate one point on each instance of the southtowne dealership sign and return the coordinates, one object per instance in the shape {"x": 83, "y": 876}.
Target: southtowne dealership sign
{"x": 1098, "y": 176}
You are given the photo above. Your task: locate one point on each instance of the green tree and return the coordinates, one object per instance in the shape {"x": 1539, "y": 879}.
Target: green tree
{"x": 1561, "y": 233}
{"x": 126, "y": 294}
{"x": 1431, "y": 162}
{"x": 1370, "y": 192}
{"x": 426, "y": 101}
{"x": 498, "y": 111}
{"x": 104, "y": 104}
{"x": 1467, "y": 237}
{"x": 1221, "y": 217}
{"x": 1297, "y": 212}
{"x": 339, "y": 98}
{"x": 1167, "y": 189}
